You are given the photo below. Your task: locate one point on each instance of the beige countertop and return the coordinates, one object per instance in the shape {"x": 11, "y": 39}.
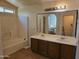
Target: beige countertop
{"x": 56, "y": 38}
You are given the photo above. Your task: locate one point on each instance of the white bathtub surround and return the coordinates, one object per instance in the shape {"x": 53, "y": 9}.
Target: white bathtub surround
{"x": 57, "y": 39}
{"x": 13, "y": 46}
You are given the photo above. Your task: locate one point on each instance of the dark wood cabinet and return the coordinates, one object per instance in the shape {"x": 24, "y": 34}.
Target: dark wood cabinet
{"x": 34, "y": 45}
{"x": 53, "y": 50}
{"x": 43, "y": 47}
{"x": 68, "y": 52}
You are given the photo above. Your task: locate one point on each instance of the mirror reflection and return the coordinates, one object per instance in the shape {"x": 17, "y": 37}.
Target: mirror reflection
{"x": 52, "y": 23}
{"x": 58, "y": 23}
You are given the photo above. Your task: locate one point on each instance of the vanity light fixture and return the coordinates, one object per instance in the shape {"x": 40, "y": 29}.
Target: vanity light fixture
{"x": 60, "y": 7}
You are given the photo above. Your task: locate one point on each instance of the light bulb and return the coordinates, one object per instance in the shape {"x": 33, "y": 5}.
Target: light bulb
{"x": 63, "y": 7}
{"x": 58, "y": 7}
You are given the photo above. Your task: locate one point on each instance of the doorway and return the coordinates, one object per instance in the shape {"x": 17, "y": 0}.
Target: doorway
{"x": 68, "y": 25}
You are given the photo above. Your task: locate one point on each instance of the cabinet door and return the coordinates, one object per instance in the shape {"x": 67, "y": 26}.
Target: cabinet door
{"x": 68, "y": 52}
{"x": 34, "y": 45}
{"x": 43, "y": 47}
{"x": 53, "y": 50}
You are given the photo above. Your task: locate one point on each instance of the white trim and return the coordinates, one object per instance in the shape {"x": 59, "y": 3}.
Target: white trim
{"x": 27, "y": 47}
{"x": 4, "y": 56}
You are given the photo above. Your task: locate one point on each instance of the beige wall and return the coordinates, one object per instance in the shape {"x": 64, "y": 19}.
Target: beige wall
{"x": 29, "y": 12}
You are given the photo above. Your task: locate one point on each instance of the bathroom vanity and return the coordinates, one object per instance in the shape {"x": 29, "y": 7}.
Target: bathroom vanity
{"x": 54, "y": 46}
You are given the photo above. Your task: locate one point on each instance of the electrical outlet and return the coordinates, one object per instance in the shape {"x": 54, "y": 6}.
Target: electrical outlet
{"x": 24, "y": 38}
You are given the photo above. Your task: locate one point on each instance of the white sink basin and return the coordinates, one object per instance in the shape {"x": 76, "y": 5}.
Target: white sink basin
{"x": 63, "y": 39}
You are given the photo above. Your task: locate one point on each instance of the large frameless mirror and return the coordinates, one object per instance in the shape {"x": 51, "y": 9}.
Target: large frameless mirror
{"x": 58, "y": 23}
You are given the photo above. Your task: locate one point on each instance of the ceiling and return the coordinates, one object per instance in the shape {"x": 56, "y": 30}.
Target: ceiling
{"x": 20, "y": 3}
{"x": 29, "y": 2}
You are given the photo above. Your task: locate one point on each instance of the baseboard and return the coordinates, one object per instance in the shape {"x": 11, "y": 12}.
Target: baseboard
{"x": 27, "y": 47}
{"x": 4, "y": 56}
